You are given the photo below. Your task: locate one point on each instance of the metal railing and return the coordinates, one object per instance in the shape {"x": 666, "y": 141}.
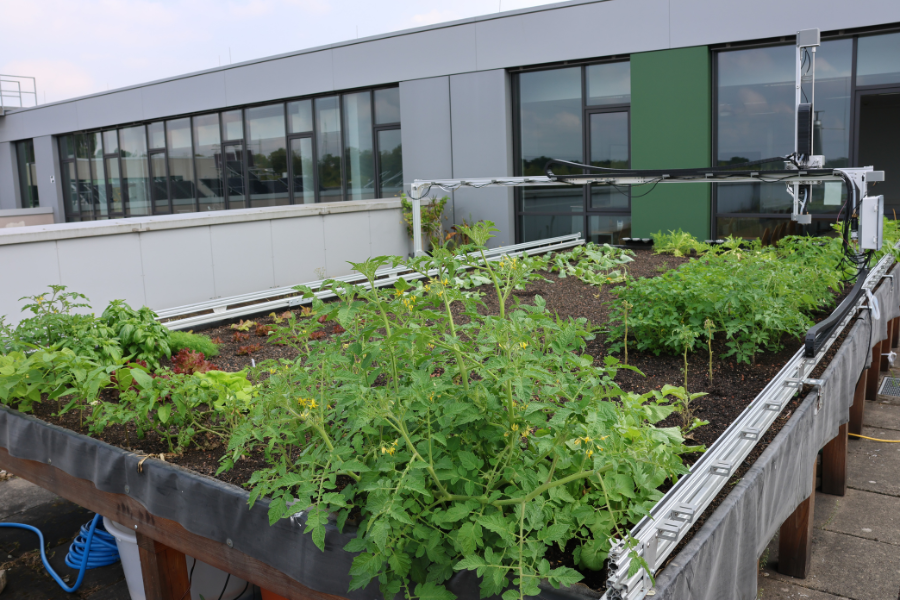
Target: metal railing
{"x": 212, "y": 311}
{"x": 17, "y": 91}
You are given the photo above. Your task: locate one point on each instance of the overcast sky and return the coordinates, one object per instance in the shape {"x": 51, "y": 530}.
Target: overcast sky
{"x": 78, "y": 47}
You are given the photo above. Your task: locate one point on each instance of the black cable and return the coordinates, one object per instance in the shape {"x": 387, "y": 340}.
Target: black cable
{"x": 222, "y": 593}
{"x": 190, "y": 577}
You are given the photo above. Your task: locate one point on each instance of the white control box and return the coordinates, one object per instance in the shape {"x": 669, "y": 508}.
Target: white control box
{"x": 871, "y": 223}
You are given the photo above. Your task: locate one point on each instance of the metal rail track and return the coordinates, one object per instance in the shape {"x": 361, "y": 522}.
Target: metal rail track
{"x": 674, "y": 514}
{"x": 213, "y": 311}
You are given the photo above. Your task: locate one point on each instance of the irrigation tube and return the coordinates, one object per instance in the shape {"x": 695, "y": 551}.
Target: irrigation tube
{"x": 257, "y": 302}
{"x": 674, "y": 514}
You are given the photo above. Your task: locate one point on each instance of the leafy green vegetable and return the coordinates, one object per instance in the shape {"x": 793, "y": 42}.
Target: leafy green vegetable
{"x": 179, "y": 340}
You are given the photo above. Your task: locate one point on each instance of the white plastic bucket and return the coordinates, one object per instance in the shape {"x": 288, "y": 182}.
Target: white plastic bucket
{"x": 205, "y": 580}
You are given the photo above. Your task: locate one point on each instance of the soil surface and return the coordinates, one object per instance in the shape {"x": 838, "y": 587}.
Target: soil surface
{"x": 733, "y": 385}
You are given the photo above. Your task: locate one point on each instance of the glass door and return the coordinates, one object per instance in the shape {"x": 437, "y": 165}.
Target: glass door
{"x": 159, "y": 184}
{"x": 302, "y": 166}
{"x": 235, "y": 196}
{"x": 609, "y": 208}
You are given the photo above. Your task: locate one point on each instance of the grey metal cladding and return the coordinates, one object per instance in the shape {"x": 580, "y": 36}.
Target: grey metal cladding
{"x": 109, "y": 109}
{"x": 436, "y": 52}
{"x": 8, "y": 185}
{"x": 425, "y": 129}
{"x": 573, "y": 32}
{"x": 49, "y": 181}
{"x": 53, "y": 119}
{"x": 297, "y": 75}
{"x": 692, "y": 20}
{"x": 191, "y": 94}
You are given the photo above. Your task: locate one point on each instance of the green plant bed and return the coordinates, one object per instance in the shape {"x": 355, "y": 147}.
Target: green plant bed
{"x": 459, "y": 427}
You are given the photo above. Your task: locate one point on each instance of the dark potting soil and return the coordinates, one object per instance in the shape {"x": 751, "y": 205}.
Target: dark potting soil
{"x": 733, "y": 385}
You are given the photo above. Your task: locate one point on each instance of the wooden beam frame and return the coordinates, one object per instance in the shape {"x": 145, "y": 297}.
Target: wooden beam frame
{"x": 160, "y": 541}
{"x": 858, "y": 408}
{"x": 834, "y": 464}
{"x": 886, "y": 346}
{"x": 873, "y": 372}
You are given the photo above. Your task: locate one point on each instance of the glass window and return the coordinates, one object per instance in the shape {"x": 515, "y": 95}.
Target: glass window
{"x": 135, "y": 175}
{"x": 550, "y": 114}
{"x": 390, "y": 165}
{"x": 611, "y": 229}
{"x": 358, "y": 147}
{"x": 267, "y": 156}
{"x": 157, "y": 134}
{"x": 300, "y": 116}
{"x": 28, "y": 189}
{"x": 181, "y": 165}
{"x": 70, "y": 191}
{"x": 83, "y": 154}
{"x": 609, "y": 83}
{"x": 328, "y": 148}
{"x": 609, "y": 149}
{"x": 233, "y": 122}
{"x": 234, "y": 176}
{"x": 116, "y": 201}
{"x": 387, "y": 106}
{"x": 98, "y": 173}
{"x": 877, "y": 60}
{"x": 302, "y": 171}
{"x": 756, "y": 120}
{"x": 158, "y": 188}
{"x": 540, "y": 227}
{"x": 66, "y": 147}
{"x": 208, "y": 162}
{"x": 110, "y": 142}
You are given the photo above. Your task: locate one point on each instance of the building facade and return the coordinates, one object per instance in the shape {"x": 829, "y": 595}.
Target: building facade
{"x": 639, "y": 83}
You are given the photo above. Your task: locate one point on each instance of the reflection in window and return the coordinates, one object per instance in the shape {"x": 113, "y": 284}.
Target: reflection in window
{"x": 208, "y": 162}
{"x": 135, "y": 176}
{"x": 233, "y": 124}
{"x": 302, "y": 169}
{"x": 83, "y": 153}
{"x": 387, "y": 106}
{"x": 300, "y": 116}
{"x": 157, "y": 134}
{"x": 328, "y": 148}
{"x": 876, "y": 60}
{"x": 359, "y": 156}
{"x": 611, "y": 229}
{"x": 28, "y": 189}
{"x": 539, "y": 227}
{"x": 158, "y": 188}
{"x": 181, "y": 165}
{"x": 609, "y": 149}
{"x": 116, "y": 202}
{"x": 234, "y": 175}
{"x": 390, "y": 165}
{"x": 267, "y": 156}
{"x": 70, "y": 190}
{"x": 110, "y": 142}
{"x": 608, "y": 83}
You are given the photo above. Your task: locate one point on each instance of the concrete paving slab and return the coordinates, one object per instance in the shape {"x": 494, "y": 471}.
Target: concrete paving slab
{"x": 772, "y": 589}
{"x": 847, "y": 566}
{"x": 827, "y": 506}
{"x": 18, "y": 495}
{"x": 873, "y": 466}
{"x": 867, "y": 515}
{"x": 882, "y": 415}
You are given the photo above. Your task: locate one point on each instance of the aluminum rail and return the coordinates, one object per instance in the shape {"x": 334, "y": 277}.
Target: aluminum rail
{"x": 420, "y": 187}
{"x": 212, "y": 311}
{"x": 673, "y": 515}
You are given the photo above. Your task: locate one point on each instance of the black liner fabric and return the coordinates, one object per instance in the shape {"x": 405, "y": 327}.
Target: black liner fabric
{"x": 720, "y": 561}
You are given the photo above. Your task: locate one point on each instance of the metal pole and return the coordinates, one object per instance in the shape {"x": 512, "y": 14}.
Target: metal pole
{"x": 417, "y": 220}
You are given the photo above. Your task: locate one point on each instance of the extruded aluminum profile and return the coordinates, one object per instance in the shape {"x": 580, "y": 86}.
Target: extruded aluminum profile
{"x": 674, "y": 514}
{"x": 257, "y": 302}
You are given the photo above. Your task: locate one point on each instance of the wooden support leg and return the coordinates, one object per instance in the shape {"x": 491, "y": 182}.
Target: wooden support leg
{"x": 834, "y": 464}
{"x": 164, "y": 570}
{"x": 872, "y": 377}
{"x": 859, "y": 404}
{"x": 895, "y": 339}
{"x": 795, "y": 539}
{"x": 886, "y": 346}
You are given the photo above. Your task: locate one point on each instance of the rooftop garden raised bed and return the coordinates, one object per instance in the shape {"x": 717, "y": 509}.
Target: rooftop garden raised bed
{"x": 501, "y": 419}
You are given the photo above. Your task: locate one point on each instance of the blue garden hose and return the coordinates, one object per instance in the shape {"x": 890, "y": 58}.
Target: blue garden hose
{"x": 91, "y": 549}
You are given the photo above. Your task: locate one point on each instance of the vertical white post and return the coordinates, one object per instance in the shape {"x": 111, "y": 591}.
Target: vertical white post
{"x": 414, "y": 193}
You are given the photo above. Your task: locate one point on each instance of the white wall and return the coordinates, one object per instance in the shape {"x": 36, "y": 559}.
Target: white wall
{"x": 164, "y": 262}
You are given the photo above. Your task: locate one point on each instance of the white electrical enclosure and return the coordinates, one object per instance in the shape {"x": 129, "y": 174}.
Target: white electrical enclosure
{"x": 871, "y": 222}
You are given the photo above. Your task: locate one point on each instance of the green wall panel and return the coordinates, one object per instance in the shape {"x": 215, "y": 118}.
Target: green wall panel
{"x": 670, "y": 128}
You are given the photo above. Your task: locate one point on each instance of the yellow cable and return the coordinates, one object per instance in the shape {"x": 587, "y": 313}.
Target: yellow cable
{"x": 874, "y": 439}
